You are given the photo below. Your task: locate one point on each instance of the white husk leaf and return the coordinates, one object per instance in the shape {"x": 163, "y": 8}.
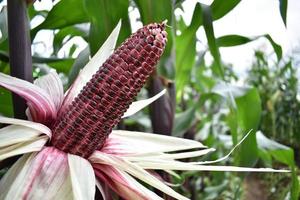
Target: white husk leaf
{"x": 148, "y": 143}
{"x": 142, "y": 189}
{"x": 13, "y": 134}
{"x": 166, "y": 156}
{"x": 139, "y": 105}
{"x": 35, "y": 144}
{"x": 135, "y": 171}
{"x": 82, "y": 178}
{"x": 37, "y": 98}
{"x": 182, "y": 166}
{"x": 9, "y": 185}
{"x": 52, "y": 84}
{"x": 226, "y": 156}
{"x": 34, "y": 125}
{"x": 22, "y": 182}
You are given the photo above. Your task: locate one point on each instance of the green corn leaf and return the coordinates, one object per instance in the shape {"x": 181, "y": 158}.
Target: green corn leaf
{"x": 104, "y": 15}
{"x": 277, "y": 48}
{"x": 248, "y": 117}
{"x": 64, "y": 13}
{"x": 283, "y": 5}
{"x": 212, "y": 44}
{"x": 232, "y": 40}
{"x": 186, "y": 50}
{"x": 155, "y": 10}
{"x": 220, "y": 7}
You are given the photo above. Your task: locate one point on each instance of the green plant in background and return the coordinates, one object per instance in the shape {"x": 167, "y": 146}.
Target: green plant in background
{"x": 208, "y": 107}
{"x": 278, "y": 88}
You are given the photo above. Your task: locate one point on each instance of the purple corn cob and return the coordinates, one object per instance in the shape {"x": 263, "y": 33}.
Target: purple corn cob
{"x": 89, "y": 120}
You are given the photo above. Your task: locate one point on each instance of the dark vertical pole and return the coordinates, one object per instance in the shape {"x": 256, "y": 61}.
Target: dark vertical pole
{"x": 19, "y": 49}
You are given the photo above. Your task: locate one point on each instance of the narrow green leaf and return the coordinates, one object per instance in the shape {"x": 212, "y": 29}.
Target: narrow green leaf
{"x": 283, "y": 5}
{"x": 197, "y": 19}
{"x": 232, "y": 40}
{"x": 104, "y": 15}
{"x": 209, "y": 31}
{"x": 220, "y": 7}
{"x": 277, "y": 48}
{"x": 185, "y": 58}
{"x": 186, "y": 51}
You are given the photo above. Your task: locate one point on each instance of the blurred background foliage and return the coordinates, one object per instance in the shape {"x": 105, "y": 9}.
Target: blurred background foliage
{"x": 206, "y": 100}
